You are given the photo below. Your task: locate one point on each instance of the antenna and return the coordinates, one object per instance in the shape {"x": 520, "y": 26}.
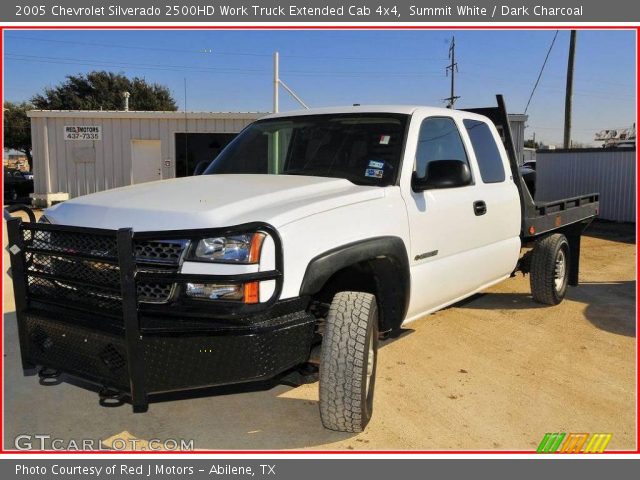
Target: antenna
{"x": 453, "y": 68}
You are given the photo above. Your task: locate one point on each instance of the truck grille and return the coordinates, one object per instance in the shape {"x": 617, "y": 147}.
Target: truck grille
{"x": 81, "y": 269}
{"x": 166, "y": 251}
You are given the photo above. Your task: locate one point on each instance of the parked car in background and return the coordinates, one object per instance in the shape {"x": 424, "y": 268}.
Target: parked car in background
{"x": 17, "y": 185}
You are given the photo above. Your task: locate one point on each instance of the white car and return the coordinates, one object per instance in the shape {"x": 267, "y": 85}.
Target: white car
{"x": 319, "y": 230}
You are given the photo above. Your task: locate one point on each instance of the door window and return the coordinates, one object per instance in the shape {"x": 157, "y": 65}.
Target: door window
{"x": 486, "y": 150}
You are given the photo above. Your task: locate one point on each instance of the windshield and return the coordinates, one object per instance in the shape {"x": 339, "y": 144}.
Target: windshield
{"x": 363, "y": 148}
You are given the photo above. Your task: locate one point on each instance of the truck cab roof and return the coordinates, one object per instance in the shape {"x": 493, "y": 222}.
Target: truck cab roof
{"x": 397, "y": 109}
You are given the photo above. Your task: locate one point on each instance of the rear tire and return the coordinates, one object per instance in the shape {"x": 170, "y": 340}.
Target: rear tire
{"x": 550, "y": 269}
{"x": 348, "y": 362}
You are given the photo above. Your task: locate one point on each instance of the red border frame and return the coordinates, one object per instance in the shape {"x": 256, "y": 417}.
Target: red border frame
{"x": 317, "y": 27}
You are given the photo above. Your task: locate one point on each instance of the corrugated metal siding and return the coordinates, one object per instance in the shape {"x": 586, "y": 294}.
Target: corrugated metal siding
{"x": 608, "y": 172}
{"x": 517, "y": 132}
{"x": 112, "y": 165}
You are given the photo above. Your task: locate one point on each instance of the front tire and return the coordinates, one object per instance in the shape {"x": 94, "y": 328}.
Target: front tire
{"x": 348, "y": 362}
{"x": 550, "y": 269}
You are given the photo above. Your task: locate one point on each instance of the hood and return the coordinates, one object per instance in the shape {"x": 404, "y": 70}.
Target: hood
{"x": 210, "y": 201}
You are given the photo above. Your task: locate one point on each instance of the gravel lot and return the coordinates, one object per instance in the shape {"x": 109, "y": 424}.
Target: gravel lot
{"x": 494, "y": 372}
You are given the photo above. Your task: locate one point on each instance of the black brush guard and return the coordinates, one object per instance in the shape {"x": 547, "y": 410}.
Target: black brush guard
{"x": 82, "y": 309}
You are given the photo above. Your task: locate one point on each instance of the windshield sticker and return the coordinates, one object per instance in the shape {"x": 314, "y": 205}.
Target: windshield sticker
{"x": 373, "y": 173}
{"x": 376, "y": 164}
{"x": 384, "y": 139}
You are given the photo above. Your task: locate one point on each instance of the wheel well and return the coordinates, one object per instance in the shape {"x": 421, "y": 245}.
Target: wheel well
{"x": 378, "y": 276}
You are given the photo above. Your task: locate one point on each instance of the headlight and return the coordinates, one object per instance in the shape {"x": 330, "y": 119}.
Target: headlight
{"x": 246, "y": 293}
{"x": 215, "y": 291}
{"x": 232, "y": 249}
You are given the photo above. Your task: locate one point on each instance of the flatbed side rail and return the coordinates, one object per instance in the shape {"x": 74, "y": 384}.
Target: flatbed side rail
{"x": 559, "y": 215}
{"x": 545, "y": 208}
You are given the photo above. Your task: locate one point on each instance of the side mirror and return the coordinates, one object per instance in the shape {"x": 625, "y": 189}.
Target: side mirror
{"x": 442, "y": 174}
{"x": 201, "y": 166}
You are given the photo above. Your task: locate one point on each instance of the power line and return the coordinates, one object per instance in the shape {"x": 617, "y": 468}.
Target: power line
{"x": 169, "y": 67}
{"x": 125, "y": 66}
{"x": 246, "y": 71}
{"x": 592, "y": 93}
{"x": 134, "y": 47}
{"x": 523, "y": 74}
{"x": 512, "y": 75}
{"x": 541, "y": 70}
{"x": 376, "y": 59}
{"x": 152, "y": 66}
{"x": 362, "y": 73}
{"x": 217, "y": 52}
{"x": 559, "y": 129}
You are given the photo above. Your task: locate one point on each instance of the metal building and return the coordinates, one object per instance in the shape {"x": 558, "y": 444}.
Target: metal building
{"x": 571, "y": 172}
{"x": 80, "y": 152}
{"x": 517, "y": 122}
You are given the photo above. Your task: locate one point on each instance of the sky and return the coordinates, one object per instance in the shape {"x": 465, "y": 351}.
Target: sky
{"x": 232, "y": 70}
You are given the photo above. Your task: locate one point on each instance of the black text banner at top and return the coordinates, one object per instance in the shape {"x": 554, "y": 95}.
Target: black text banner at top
{"x": 336, "y": 11}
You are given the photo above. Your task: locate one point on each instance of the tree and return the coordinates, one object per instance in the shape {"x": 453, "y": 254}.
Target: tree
{"x": 17, "y": 128}
{"x": 104, "y": 90}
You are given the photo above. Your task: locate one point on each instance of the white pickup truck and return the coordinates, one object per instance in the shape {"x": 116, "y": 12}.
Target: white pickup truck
{"x": 310, "y": 237}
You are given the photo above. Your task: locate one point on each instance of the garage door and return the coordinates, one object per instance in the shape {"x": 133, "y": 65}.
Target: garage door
{"x": 146, "y": 158}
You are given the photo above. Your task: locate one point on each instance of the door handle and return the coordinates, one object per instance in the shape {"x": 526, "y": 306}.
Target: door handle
{"x": 479, "y": 207}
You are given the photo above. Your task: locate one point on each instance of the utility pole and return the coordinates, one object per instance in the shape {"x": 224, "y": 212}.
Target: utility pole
{"x": 453, "y": 67}
{"x": 569, "y": 91}
{"x": 276, "y": 81}
{"x": 187, "y": 171}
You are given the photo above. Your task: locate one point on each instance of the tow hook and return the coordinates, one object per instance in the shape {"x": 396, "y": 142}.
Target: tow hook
{"x": 110, "y": 397}
{"x": 49, "y": 377}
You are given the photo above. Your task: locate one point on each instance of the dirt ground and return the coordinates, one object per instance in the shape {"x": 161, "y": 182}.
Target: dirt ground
{"x": 494, "y": 372}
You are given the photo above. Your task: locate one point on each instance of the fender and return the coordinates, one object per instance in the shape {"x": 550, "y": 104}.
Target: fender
{"x": 390, "y": 262}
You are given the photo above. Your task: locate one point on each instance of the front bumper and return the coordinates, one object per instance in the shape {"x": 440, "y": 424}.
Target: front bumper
{"x": 170, "y": 361}
{"x": 124, "y": 345}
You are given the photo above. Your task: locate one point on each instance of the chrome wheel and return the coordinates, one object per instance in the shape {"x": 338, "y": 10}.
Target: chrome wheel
{"x": 560, "y": 270}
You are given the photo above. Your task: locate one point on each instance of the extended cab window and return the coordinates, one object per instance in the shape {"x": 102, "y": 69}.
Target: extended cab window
{"x": 364, "y": 148}
{"x": 439, "y": 139}
{"x": 486, "y": 150}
